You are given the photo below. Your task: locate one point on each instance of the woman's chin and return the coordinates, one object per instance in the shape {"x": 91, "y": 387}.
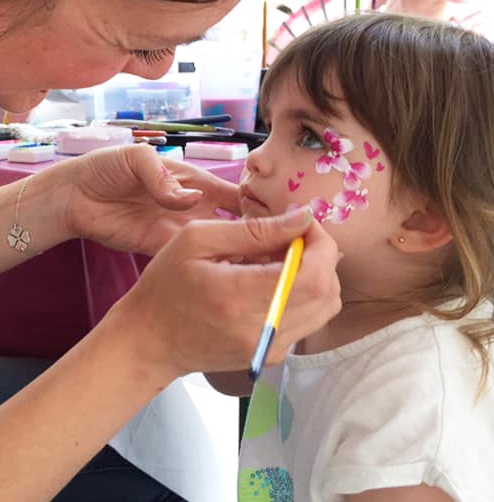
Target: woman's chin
{"x": 21, "y": 102}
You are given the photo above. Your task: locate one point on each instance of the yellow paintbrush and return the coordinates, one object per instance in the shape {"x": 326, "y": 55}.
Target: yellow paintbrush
{"x": 280, "y": 297}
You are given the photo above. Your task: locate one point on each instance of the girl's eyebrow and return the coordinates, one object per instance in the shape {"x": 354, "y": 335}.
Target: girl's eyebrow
{"x": 303, "y": 114}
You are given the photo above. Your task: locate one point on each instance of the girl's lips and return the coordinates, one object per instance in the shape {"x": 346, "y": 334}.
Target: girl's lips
{"x": 248, "y": 195}
{"x": 250, "y": 204}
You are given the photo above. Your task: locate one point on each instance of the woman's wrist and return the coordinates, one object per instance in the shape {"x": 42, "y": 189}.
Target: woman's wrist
{"x": 150, "y": 356}
{"x": 34, "y": 208}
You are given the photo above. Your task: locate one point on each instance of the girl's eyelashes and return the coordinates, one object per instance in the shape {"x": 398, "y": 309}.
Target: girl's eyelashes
{"x": 309, "y": 140}
{"x": 152, "y": 57}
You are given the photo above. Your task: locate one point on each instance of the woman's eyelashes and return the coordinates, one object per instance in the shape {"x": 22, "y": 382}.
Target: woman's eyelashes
{"x": 152, "y": 57}
{"x": 310, "y": 140}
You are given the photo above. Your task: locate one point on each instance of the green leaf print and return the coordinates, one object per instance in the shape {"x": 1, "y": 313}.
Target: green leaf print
{"x": 263, "y": 410}
{"x": 265, "y": 485}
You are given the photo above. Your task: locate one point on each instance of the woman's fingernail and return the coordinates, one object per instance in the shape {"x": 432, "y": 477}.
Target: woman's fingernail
{"x": 187, "y": 192}
{"x": 340, "y": 256}
{"x": 165, "y": 171}
{"x": 298, "y": 217}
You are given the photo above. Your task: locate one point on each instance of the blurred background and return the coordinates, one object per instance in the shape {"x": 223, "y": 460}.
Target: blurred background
{"x": 236, "y": 50}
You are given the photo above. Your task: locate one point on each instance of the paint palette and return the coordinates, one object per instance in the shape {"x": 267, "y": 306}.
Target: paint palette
{"x": 6, "y": 146}
{"x": 80, "y": 140}
{"x": 216, "y": 150}
{"x": 171, "y": 152}
{"x": 31, "y": 153}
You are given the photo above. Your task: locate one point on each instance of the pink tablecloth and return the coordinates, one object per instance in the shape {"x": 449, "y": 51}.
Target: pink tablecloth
{"x": 52, "y": 301}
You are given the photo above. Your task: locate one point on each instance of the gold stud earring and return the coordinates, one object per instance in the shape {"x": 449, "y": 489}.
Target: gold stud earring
{"x": 401, "y": 239}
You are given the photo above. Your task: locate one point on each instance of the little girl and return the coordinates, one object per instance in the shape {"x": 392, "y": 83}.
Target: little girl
{"x": 385, "y": 125}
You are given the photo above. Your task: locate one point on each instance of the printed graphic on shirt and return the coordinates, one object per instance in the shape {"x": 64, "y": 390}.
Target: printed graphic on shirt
{"x": 271, "y": 484}
{"x": 263, "y": 410}
{"x": 286, "y": 417}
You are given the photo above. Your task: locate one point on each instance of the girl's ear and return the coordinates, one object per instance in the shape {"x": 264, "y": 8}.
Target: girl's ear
{"x": 424, "y": 230}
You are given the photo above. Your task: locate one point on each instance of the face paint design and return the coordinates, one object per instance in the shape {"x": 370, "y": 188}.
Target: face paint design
{"x": 355, "y": 173}
{"x": 351, "y": 197}
{"x": 341, "y": 208}
{"x": 328, "y": 212}
{"x": 292, "y": 186}
{"x": 370, "y": 152}
{"x": 335, "y": 158}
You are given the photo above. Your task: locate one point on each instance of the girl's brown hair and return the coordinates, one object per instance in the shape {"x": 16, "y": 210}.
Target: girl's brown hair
{"x": 426, "y": 92}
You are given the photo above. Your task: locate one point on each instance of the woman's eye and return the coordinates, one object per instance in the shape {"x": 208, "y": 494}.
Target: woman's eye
{"x": 152, "y": 57}
{"x": 310, "y": 140}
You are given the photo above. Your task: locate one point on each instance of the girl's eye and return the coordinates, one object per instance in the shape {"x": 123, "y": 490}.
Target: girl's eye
{"x": 152, "y": 57}
{"x": 310, "y": 140}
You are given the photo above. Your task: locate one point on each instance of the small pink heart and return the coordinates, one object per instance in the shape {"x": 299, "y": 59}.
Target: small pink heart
{"x": 370, "y": 152}
{"x": 300, "y": 174}
{"x": 292, "y": 186}
{"x": 379, "y": 167}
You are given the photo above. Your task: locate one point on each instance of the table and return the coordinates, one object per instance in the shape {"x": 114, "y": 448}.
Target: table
{"x": 58, "y": 296}
{"x": 187, "y": 437}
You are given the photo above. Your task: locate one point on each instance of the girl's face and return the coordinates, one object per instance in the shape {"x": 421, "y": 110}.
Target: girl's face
{"x": 332, "y": 163}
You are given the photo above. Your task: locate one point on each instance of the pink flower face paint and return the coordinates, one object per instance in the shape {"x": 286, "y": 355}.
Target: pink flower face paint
{"x": 329, "y": 212}
{"x": 351, "y": 198}
{"x": 335, "y": 158}
{"x": 355, "y": 173}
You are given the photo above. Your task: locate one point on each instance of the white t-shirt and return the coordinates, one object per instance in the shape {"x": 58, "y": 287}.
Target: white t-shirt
{"x": 395, "y": 408}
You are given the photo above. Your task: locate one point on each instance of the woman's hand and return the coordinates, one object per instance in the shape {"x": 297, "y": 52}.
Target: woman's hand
{"x": 128, "y": 199}
{"x": 193, "y": 310}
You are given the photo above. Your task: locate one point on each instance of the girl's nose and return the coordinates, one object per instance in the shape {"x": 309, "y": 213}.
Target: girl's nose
{"x": 259, "y": 162}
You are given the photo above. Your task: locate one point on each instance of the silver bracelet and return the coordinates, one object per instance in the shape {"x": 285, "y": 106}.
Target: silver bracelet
{"x": 19, "y": 238}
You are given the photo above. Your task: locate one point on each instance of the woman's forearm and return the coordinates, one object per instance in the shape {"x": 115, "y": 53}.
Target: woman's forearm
{"x": 40, "y": 212}
{"x": 50, "y": 429}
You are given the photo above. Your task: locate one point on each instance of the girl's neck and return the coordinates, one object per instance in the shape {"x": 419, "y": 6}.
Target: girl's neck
{"x": 433, "y": 8}
{"x": 355, "y": 321}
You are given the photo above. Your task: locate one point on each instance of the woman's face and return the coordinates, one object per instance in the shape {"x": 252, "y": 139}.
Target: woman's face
{"x": 84, "y": 43}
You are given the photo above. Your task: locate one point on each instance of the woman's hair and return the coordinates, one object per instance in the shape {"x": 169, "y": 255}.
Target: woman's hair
{"x": 426, "y": 92}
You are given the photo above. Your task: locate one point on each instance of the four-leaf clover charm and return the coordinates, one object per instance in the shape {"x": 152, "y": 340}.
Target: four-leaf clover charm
{"x": 19, "y": 238}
